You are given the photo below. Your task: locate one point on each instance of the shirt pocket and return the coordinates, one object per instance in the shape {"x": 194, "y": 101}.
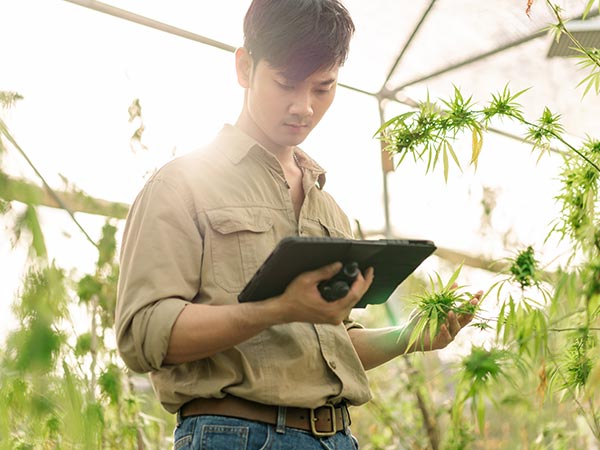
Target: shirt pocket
{"x": 241, "y": 238}
{"x": 324, "y": 227}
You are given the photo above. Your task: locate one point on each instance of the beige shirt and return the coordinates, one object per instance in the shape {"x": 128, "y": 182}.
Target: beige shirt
{"x": 196, "y": 233}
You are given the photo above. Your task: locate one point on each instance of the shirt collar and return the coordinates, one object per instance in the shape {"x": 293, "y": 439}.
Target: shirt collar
{"x": 306, "y": 162}
{"x": 239, "y": 145}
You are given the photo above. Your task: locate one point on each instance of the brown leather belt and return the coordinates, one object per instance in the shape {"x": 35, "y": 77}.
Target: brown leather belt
{"x": 324, "y": 421}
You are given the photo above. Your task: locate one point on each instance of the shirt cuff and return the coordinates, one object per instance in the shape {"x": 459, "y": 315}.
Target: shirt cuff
{"x": 158, "y": 323}
{"x": 351, "y": 324}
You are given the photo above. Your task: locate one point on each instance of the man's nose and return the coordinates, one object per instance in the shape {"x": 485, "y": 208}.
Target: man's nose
{"x": 301, "y": 104}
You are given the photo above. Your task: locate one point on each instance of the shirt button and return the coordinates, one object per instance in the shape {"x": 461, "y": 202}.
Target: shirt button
{"x": 332, "y": 364}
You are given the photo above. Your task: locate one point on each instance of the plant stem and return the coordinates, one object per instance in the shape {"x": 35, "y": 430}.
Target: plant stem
{"x": 571, "y": 329}
{"x": 4, "y": 131}
{"x": 382, "y": 415}
{"x": 433, "y": 432}
{"x": 563, "y": 28}
{"x": 557, "y": 136}
{"x": 93, "y": 349}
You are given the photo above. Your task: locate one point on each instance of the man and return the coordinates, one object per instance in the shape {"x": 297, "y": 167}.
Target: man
{"x": 278, "y": 373}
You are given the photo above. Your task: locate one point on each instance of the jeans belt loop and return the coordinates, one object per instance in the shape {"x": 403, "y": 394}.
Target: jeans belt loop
{"x": 347, "y": 417}
{"x": 281, "y": 413}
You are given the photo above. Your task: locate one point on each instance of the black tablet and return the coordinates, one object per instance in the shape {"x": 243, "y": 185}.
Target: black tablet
{"x": 393, "y": 260}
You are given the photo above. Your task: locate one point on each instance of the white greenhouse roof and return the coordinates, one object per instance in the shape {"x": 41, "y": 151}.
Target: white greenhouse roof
{"x": 79, "y": 69}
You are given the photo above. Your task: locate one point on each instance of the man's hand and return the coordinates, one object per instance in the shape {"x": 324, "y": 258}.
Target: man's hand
{"x": 377, "y": 346}
{"x": 447, "y": 332}
{"x": 204, "y": 330}
{"x": 302, "y": 301}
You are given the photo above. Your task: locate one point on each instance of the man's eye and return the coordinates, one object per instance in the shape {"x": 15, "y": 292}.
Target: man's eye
{"x": 286, "y": 87}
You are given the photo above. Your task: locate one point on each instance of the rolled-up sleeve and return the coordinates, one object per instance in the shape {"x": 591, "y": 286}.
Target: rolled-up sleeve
{"x": 161, "y": 258}
{"x": 351, "y": 324}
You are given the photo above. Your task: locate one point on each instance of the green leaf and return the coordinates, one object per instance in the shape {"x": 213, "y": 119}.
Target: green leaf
{"x": 437, "y": 155}
{"x": 445, "y": 155}
{"x": 29, "y": 220}
{"x": 110, "y": 383}
{"x": 451, "y": 150}
{"x": 393, "y": 121}
{"x": 480, "y": 405}
{"x": 429, "y": 155}
{"x": 501, "y": 320}
{"x": 433, "y": 326}
{"x": 588, "y": 8}
{"x": 476, "y": 145}
{"x": 93, "y": 419}
{"x": 87, "y": 287}
{"x": 483, "y": 326}
{"x": 37, "y": 347}
{"x": 83, "y": 345}
{"x": 8, "y": 99}
{"x": 510, "y": 321}
{"x": 454, "y": 277}
{"x": 417, "y": 331}
{"x": 107, "y": 246}
{"x": 593, "y": 80}
{"x": 73, "y": 404}
{"x": 439, "y": 281}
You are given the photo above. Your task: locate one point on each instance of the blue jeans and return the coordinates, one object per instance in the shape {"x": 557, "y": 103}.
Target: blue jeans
{"x": 227, "y": 433}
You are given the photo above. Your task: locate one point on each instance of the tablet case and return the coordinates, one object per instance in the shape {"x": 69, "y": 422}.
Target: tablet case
{"x": 393, "y": 260}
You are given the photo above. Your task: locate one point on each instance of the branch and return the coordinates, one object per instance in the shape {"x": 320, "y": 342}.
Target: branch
{"x": 563, "y": 28}
{"x": 431, "y": 426}
{"x": 24, "y": 191}
{"x": 4, "y": 132}
{"x": 560, "y": 330}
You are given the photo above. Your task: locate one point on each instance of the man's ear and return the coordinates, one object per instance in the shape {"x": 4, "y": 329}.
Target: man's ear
{"x": 243, "y": 67}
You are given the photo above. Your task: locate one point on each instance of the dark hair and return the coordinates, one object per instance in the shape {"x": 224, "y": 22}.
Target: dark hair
{"x": 298, "y": 36}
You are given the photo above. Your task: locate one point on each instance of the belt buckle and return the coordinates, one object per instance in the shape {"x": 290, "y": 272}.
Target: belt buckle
{"x": 313, "y": 421}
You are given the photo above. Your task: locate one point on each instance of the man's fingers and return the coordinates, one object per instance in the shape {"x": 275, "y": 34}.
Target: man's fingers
{"x": 323, "y": 273}
{"x": 360, "y": 286}
{"x": 477, "y": 297}
{"x": 445, "y": 335}
{"x": 453, "y": 324}
{"x": 369, "y": 277}
{"x": 364, "y": 281}
{"x": 464, "y": 319}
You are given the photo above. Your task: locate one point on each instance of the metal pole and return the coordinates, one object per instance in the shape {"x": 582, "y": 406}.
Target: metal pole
{"x": 386, "y": 195}
{"x": 141, "y": 20}
{"x": 161, "y": 26}
{"x": 535, "y": 35}
{"x": 408, "y": 42}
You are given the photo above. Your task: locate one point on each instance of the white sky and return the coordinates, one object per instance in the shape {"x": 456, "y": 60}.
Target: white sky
{"x": 79, "y": 70}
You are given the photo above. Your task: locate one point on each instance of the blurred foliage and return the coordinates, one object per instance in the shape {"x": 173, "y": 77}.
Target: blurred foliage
{"x": 62, "y": 385}
{"x": 8, "y": 99}
{"x": 68, "y": 384}
{"x": 547, "y": 324}
{"x": 135, "y": 115}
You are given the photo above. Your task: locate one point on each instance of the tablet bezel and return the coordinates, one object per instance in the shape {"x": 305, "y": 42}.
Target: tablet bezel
{"x": 393, "y": 260}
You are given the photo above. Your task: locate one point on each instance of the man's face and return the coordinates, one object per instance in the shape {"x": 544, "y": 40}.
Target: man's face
{"x": 284, "y": 111}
